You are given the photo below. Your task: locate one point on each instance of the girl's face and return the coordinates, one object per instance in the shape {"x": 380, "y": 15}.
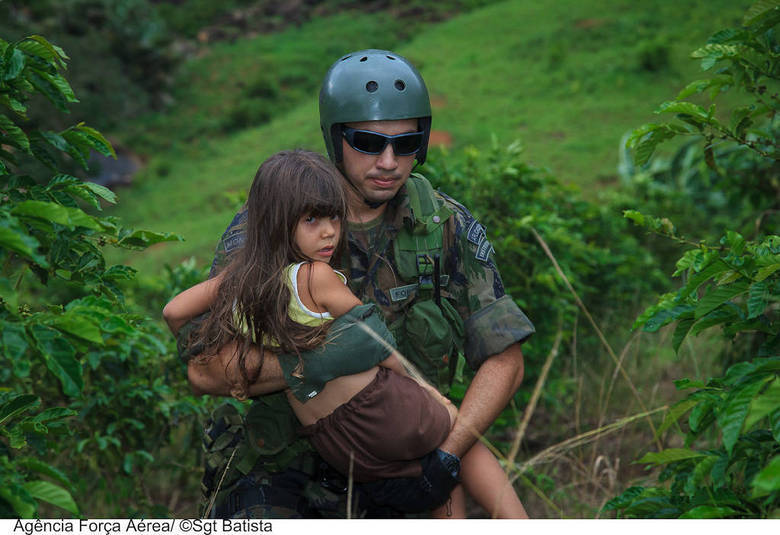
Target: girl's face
{"x": 317, "y": 237}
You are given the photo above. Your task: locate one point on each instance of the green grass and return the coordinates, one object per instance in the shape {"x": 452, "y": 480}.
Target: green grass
{"x": 566, "y": 78}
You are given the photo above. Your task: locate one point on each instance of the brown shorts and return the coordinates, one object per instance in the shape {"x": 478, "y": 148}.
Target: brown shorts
{"x": 387, "y": 427}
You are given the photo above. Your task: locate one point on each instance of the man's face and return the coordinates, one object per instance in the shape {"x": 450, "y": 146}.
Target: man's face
{"x": 379, "y": 177}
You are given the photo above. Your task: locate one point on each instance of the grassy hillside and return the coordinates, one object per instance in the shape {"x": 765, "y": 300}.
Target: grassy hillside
{"x": 567, "y": 78}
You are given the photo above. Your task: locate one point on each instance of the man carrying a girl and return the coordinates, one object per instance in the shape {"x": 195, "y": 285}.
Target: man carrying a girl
{"x": 417, "y": 255}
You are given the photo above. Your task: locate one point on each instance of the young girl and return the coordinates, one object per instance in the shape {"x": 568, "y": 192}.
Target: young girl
{"x": 358, "y": 406}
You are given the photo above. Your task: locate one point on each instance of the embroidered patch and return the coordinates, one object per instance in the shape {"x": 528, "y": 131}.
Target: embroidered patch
{"x": 402, "y": 292}
{"x": 475, "y": 233}
{"x": 484, "y": 250}
{"x": 234, "y": 241}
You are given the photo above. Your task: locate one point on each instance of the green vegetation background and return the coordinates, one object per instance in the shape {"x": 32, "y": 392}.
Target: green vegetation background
{"x": 532, "y": 102}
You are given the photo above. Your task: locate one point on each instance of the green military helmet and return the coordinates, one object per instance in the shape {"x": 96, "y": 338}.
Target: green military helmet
{"x": 372, "y": 85}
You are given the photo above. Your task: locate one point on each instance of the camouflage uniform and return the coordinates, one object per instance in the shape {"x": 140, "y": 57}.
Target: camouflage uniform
{"x": 266, "y": 447}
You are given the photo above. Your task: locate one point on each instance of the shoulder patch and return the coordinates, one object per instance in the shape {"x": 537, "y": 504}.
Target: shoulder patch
{"x": 484, "y": 250}
{"x": 234, "y": 240}
{"x": 475, "y": 233}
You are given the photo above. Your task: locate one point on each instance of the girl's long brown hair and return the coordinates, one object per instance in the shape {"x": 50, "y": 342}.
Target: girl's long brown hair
{"x": 253, "y": 297}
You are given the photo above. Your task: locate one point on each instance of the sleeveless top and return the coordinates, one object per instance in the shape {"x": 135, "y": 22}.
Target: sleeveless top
{"x": 297, "y": 311}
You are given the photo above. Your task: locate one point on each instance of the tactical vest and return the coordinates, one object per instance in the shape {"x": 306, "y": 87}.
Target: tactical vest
{"x": 430, "y": 331}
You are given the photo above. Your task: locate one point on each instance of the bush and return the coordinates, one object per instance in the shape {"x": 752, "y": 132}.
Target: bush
{"x": 732, "y": 284}
{"x": 89, "y": 384}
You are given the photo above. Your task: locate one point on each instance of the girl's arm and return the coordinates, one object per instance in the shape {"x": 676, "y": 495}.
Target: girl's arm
{"x": 322, "y": 290}
{"x": 190, "y": 303}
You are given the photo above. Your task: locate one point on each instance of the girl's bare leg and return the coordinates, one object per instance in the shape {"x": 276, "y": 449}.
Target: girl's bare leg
{"x": 455, "y": 508}
{"x": 488, "y": 484}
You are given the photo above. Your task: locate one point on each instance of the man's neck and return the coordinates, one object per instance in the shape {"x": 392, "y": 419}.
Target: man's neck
{"x": 359, "y": 212}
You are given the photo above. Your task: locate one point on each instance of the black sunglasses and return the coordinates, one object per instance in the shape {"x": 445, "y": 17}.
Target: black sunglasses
{"x": 369, "y": 142}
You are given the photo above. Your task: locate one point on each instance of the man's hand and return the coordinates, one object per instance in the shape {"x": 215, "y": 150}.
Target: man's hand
{"x": 220, "y": 373}
{"x": 494, "y": 384}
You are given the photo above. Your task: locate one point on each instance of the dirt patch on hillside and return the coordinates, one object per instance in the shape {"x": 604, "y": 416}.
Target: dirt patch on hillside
{"x": 440, "y": 138}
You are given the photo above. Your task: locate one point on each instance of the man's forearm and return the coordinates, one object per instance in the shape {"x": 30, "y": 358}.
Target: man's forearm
{"x": 218, "y": 374}
{"x": 493, "y": 386}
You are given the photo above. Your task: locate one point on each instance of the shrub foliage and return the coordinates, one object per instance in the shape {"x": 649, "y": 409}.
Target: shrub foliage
{"x": 86, "y": 394}
{"x": 729, "y": 465}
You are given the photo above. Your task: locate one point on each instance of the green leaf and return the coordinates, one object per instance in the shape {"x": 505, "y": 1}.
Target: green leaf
{"x": 665, "y": 316}
{"x": 79, "y": 326}
{"x": 731, "y": 416}
{"x": 102, "y": 192}
{"x": 712, "y": 53}
{"x": 735, "y": 241}
{"x": 55, "y": 140}
{"x": 13, "y": 238}
{"x": 774, "y": 424}
{"x": 706, "y": 273}
{"x": 48, "y": 90}
{"x": 36, "y": 465}
{"x": 766, "y": 271}
{"x": 15, "y": 346}
{"x": 674, "y": 413}
{"x": 768, "y": 479}
{"x": 96, "y": 140}
{"x": 115, "y": 324}
{"x": 681, "y": 331}
{"x": 53, "y": 494}
{"x": 683, "y": 384}
{"x": 19, "y": 499}
{"x": 758, "y": 10}
{"x": 764, "y": 404}
{"x": 652, "y": 507}
{"x": 56, "y": 213}
{"x": 16, "y": 405}
{"x": 139, "y": 239}
{"x": 685, "y": 108}
{"x": 13, "y": 65}
{"x": 709, "y": 511}
{"x": 59, "y": 356}
{"x": 624, "y": 500}
{"x": 695, "y": 87}
{"x": 41, "y": 150}
{"x": 13, "y": 134}
{"x": 718, "y": 296}
{"x": 54, "y": 414}
{"x": 729, "y": 313}
{"x": 11, "y": 103}
{"x": 669, "y": 455}
{"x": 702, "y": 415}
{"x": 38, "y": 46}
{"x": 740, "y": 120}
{"x": 646, "y": 138}
{"x": 758, "y": 299}
{"x": 724, "y": 36}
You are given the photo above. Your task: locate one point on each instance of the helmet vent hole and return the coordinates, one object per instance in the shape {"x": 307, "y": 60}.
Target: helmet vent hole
{"x": 372, "y": 86}
{"x": 390, "y": 57}
{"x": 400, "y": 85}
{"x": 345, "y": 58}
{"x": 364, "y": 58}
